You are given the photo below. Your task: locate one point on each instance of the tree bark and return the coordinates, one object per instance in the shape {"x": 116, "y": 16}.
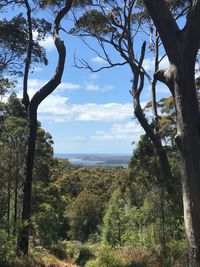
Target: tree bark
{"x": 181, "y": 47}
{"x": 188, "y": 141}
{"x": 23, "y": 236}
{"x": 16, "y": 196}
{"x": 9, "y": 192}
{"x": 31, "y": 106}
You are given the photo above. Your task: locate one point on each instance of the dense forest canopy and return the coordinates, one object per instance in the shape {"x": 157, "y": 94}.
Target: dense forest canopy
{"x": 55, "y": 213}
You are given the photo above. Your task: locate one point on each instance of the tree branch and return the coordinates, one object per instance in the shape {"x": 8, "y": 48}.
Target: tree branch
{"x": 49, "y": 87}
{"x": 25, "y": 99}
{"x": 192, "y": 29}
{"x": 165, "y": 24}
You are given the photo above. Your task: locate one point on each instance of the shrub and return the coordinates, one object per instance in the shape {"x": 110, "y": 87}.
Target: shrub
{"x": 177, "y": 252}
{"x": 77, "y": 251}
{"x": 7, "y": 249}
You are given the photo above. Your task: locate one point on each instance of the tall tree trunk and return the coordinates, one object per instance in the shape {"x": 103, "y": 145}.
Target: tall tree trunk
{"x": 188, "y": 141}
{"x": 23, "y": 237}
{"x": 182, "y": 47}
{"x": 9, "y": 195}
{"x": 16, "y": 198}
{"x": 31, "y": 107}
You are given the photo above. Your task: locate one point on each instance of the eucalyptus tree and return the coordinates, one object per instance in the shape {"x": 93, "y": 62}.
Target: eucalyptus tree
{"x": 30, "y": 52}
{"x": 182, "y": 46}
{"x": 31, "y": 106}
{"x": 118, "y": 24}
{"x": 13, "y": 44}
{"x": 121, "y": 26}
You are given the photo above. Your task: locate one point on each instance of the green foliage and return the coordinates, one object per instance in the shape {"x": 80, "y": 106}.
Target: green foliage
{"x": 177, "y": 252}
{"x": 14, "y": 40}
{"x": 46, "y": 216}
{"x": 114, "y": 220}
{"x": 108, "y": 256}
{"x": 79, "y": 252}
{"x": 83, "y": 215}
{"x": 94, "y": 22}
{"x": 7, "y": 249}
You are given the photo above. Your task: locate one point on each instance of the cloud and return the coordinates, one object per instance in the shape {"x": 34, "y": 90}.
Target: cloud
{"x": 91, "y": 86}
{"x": 47, "y": 43}
{"x": 36, "y": 84}
{"x": 77, "y": 138}
{"x": 98, "y": 60}
{"x": 148, "y": 64}
{"x": 55, "y": 108}
{"x": 126, "y": 131}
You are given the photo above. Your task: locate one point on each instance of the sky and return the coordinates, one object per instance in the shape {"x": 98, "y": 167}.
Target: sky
{"x": 89, "y": 112}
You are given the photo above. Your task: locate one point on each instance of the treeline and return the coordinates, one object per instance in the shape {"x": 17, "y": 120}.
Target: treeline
{"x": 92, "y": 216}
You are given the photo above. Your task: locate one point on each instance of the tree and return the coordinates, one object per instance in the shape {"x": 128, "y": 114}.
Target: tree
{"x": 13, "y": 44}
{"x": 31, "y": 107}
{"x": 181, "y": 46}
{"x": 116, "y": 25}
{"x": 84, "y": 215}
{"x": 12, "y": 147}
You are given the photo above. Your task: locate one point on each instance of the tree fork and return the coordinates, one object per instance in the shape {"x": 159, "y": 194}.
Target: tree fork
{"x": 40, "y": 95}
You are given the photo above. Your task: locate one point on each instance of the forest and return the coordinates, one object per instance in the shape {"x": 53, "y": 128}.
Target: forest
{"x": 57, "y": 214}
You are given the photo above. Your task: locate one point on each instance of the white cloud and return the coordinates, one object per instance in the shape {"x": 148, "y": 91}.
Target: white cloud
{"x": 36, "y": 84}
{"x": 54, "y": 104}
{"x": 47, "y": 43}
{"x": 69, "y": 86}
{"x": 71, "y": 139}
{"x": 91, "y": 86}
{"x": 98, "y": 60}
{"x": 148, "y": 64}
{"x": 127, "y": 131}
{"x": 56, "y": 108}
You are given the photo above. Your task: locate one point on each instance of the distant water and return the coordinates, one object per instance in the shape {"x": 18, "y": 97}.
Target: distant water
{"x": 111, "y": 160}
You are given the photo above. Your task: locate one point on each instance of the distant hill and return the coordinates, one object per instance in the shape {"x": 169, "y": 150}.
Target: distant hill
{"x": 97, "y": 159}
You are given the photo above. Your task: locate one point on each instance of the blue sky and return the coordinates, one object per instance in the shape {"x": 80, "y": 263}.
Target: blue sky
{"x": 89, "y": 112}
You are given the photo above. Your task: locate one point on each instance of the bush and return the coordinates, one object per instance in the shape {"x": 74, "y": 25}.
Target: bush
{"x": 107, "y": 257}
{"x": 7, "y": 249}
{"x": 85, "y": 254}
{"x": 177, "y": 252}
{"x": 127, "y": 257}
{"x": 77, "y": 251}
